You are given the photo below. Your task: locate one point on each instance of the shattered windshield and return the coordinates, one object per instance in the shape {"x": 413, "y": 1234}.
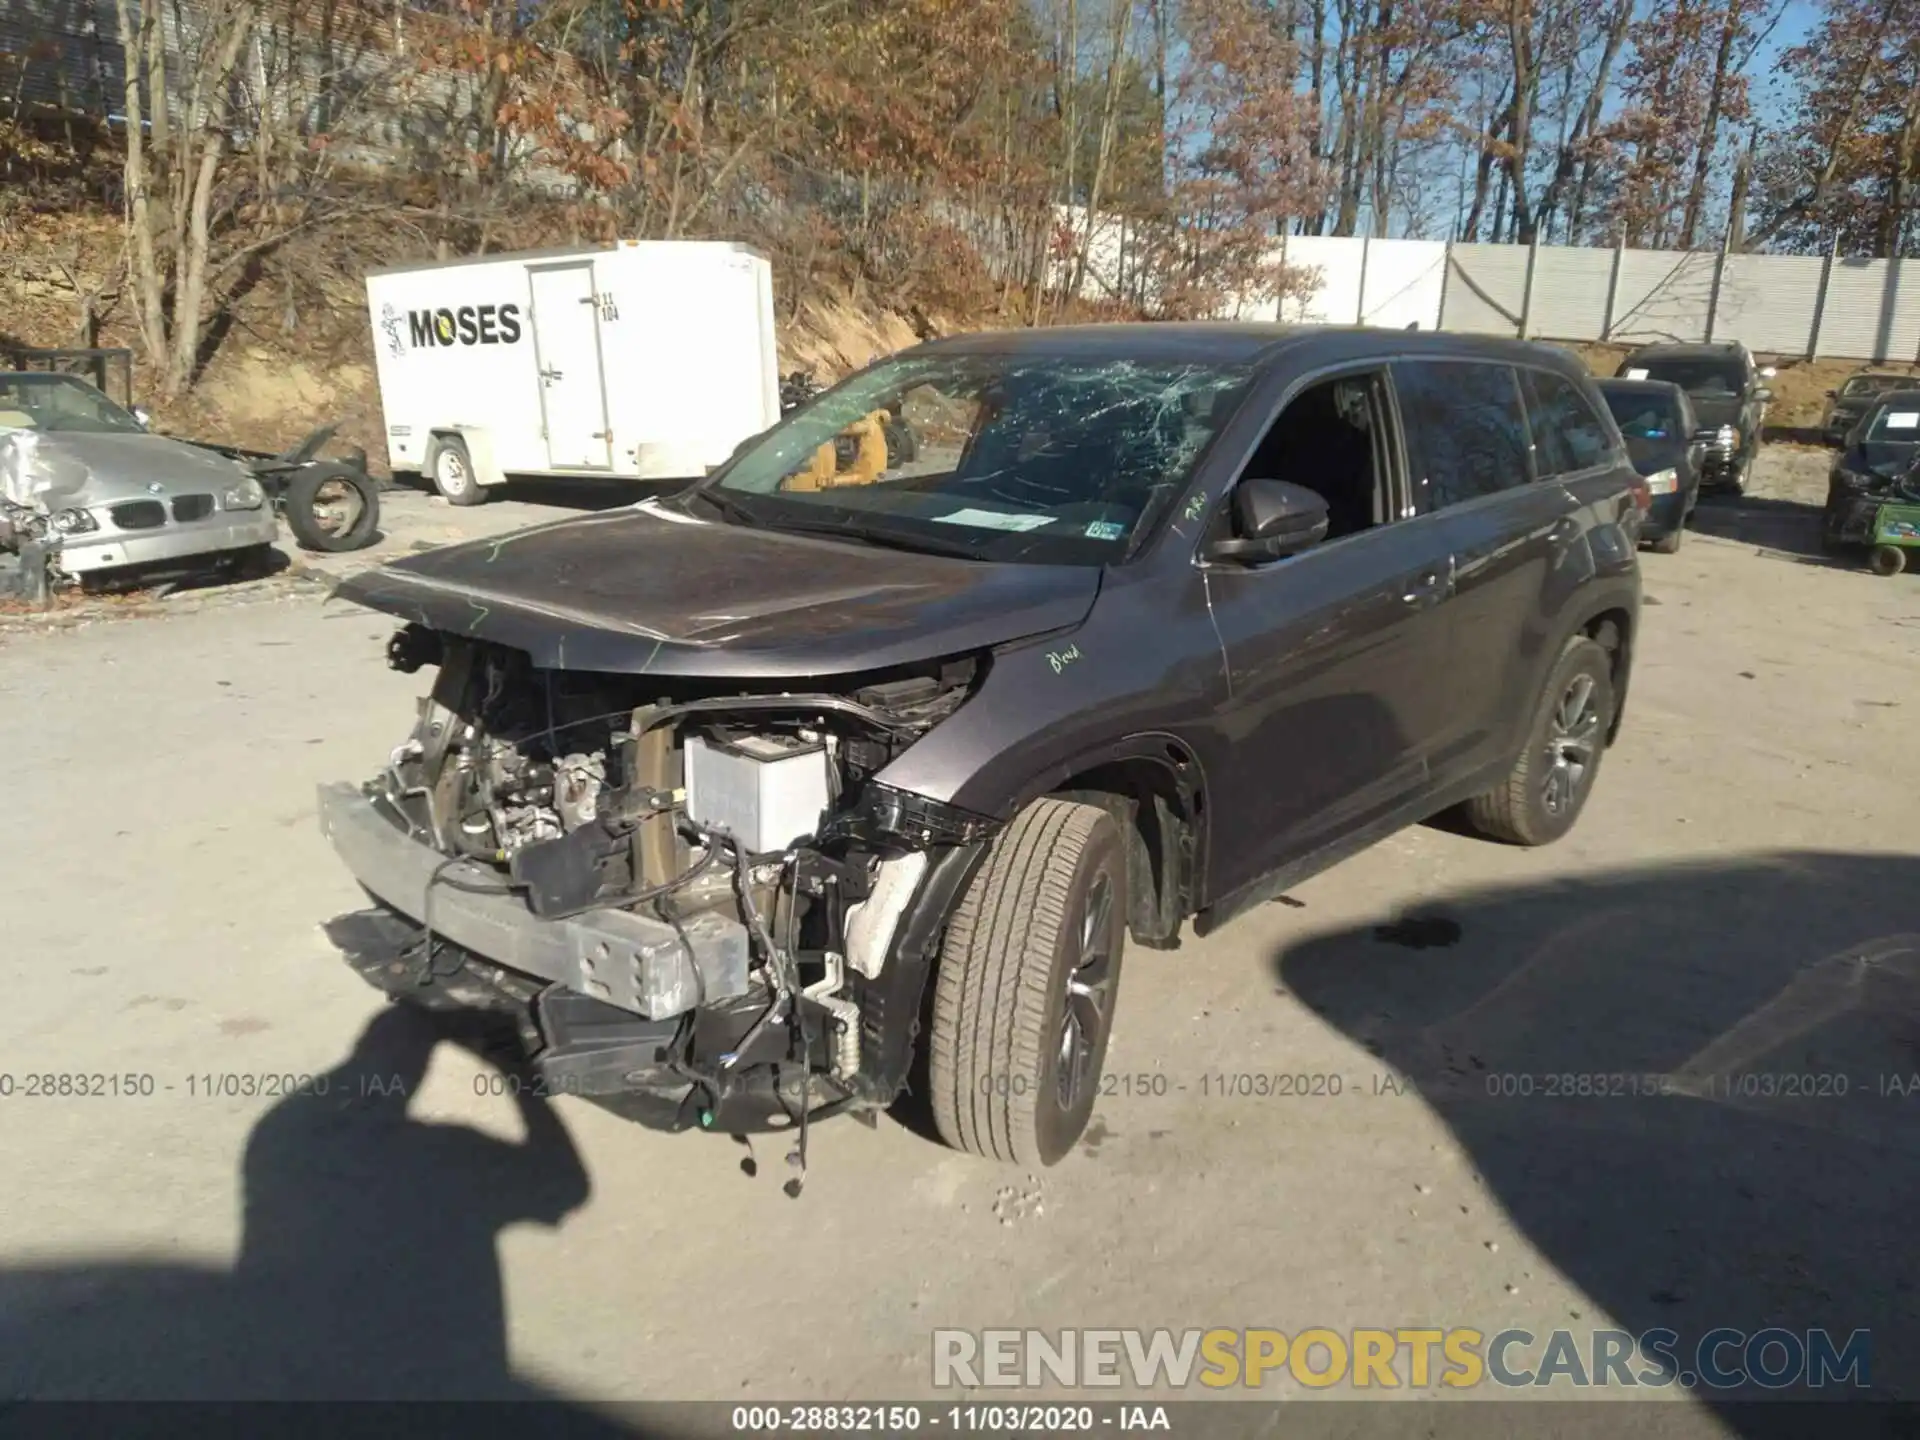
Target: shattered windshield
{"x": 999, "y": 457}
{"x": 60, "y": 402}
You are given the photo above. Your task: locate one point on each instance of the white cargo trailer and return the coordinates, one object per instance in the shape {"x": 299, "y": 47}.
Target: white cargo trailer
{"x": 649, "y": 360}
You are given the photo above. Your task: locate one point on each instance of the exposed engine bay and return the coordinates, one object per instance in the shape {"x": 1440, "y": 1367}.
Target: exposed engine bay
{"x": 581, "y": 794}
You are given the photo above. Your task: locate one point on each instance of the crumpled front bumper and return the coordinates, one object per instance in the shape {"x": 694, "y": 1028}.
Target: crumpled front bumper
{"x": 636, "y": 963}
{"x": 110, "y": 549}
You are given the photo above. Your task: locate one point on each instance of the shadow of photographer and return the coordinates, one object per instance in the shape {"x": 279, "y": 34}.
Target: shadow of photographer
{"x": 368, "y": 1267}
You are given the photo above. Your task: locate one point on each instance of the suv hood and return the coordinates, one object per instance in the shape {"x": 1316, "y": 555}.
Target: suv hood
{"x": 655, "y": 591}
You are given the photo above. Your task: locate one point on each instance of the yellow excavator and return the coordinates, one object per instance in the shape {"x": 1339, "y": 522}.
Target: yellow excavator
{"x": 867, "y": 463}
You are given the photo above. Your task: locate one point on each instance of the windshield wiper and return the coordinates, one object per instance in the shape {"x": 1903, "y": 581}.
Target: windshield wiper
{"x": 875, "y": 535}
{"x": 729, "y": 507}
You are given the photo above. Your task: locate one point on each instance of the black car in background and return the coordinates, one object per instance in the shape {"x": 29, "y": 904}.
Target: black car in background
{"x": 1657, "y": 421}
{"x": 1881, "y": 450}
{"x": 1729, "y": 395}
{"x": 1855, "y": 397}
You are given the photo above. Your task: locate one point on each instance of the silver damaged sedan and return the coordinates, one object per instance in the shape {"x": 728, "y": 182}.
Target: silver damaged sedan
{"x": 89, "y": 480}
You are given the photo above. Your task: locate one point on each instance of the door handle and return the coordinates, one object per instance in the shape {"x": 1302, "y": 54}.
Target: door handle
{"x": 1425, "y": 589}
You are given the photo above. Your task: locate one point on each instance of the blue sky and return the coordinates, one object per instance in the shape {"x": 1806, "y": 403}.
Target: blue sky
{"x": 1770, "y": 96}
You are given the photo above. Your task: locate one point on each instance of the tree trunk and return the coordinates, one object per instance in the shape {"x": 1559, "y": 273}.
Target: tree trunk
{"x": 1121, "y": 18}
{"x": 1814, "y": 201}
{"x": 1570, "y": 159}
{"x": 1526, "y": 84}
{"x": 1710, "y": 126}
{"x": 140, "y": 208}
{"x": 1483, "y": 172}
{"x": 1893, "y": 214}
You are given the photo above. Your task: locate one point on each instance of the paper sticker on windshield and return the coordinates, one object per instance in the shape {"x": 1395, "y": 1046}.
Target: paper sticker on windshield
{"x": 1903, "y": 419}
{"x": 1105, "y": 530}
{"x": 995, "y": 520}
{"x": 1636, "y": 374}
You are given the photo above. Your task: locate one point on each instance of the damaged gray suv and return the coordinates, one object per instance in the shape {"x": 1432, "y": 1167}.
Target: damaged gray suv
{"x": 864, "y": 759}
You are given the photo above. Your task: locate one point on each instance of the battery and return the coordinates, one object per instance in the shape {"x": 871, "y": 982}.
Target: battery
{"x": 766, "y": 791}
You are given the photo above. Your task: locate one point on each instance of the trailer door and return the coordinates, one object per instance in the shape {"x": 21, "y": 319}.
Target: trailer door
{"x": 573, "y": 392}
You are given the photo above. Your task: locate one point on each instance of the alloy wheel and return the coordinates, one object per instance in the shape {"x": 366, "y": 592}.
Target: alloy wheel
{"x": 1089, "y": 997}
{"x": 1573, "y": 741}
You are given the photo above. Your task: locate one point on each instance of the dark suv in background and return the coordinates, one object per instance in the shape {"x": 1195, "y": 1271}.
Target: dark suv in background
{"x": 726, "y": 795}
{"x": 1663, "y": 440}
{"x": 1729, "y": 395}
{"x": 1848, "y": 405}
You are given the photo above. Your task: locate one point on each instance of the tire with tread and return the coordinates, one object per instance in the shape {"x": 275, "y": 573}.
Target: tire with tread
{"x": 1515, "y": 810}
{"x": 472, "y": 492}
{"x": 303, "y": 490}
{"x": 1001, "y": 987}
{"x": 1887, "y": 560}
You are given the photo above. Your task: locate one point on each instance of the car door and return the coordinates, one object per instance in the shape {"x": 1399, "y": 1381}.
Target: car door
{"x": 1476, "y": 468}
{"x": 1335, "y": 658}
{"x": 566, "y": 338}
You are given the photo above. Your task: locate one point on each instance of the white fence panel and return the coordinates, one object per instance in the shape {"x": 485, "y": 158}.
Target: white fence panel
{"x": 1570, "y": 293}
{"x": 1486, "y": 286}
{"x": 1870, "y": 314}
{"x": 1663, "y": 295}
{"x": 1769, "y": 301}
{"x": 1403, "y": 284}
{"x": 1333, "y": 295}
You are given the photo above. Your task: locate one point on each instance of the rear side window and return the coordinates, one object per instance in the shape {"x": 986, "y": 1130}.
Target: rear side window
{"x": 1567, "y": 435}
{"x": 1468, "y": 428}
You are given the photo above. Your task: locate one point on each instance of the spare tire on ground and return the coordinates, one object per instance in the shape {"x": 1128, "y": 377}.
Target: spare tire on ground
{"x": 331, "y": 507}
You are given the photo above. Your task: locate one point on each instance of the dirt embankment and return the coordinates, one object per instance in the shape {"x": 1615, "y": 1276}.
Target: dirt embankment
{"x": 289, "y": 357}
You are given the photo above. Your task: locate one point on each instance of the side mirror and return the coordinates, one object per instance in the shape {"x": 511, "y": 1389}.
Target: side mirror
{"x": 1833, "y": 394}
{"x": 1763, "y": 394}
{"x": 144, "y": 416}
{"x": 1271, "y": 520}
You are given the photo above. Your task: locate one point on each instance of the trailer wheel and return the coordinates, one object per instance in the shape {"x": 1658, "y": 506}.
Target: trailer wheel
{"x": 1887, "y": 560}
{"x": 451, "y": 469}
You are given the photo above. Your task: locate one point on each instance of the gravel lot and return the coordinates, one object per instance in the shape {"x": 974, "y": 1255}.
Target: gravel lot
{"x": 1739, "y": 900}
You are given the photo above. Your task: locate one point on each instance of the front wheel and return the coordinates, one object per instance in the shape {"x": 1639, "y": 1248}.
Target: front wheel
{"x": 1543, "y": 794}
{"x": 1028, "y": 972}
{"x": 1669, "y": 543}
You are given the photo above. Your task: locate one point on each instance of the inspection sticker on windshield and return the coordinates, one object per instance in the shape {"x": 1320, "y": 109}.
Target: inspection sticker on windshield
{"x": 1636, "y": 374}
{"x": 994, "y": 520}
{"x": 1105, "y": 530}
{"x": 1903, "y": 419}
